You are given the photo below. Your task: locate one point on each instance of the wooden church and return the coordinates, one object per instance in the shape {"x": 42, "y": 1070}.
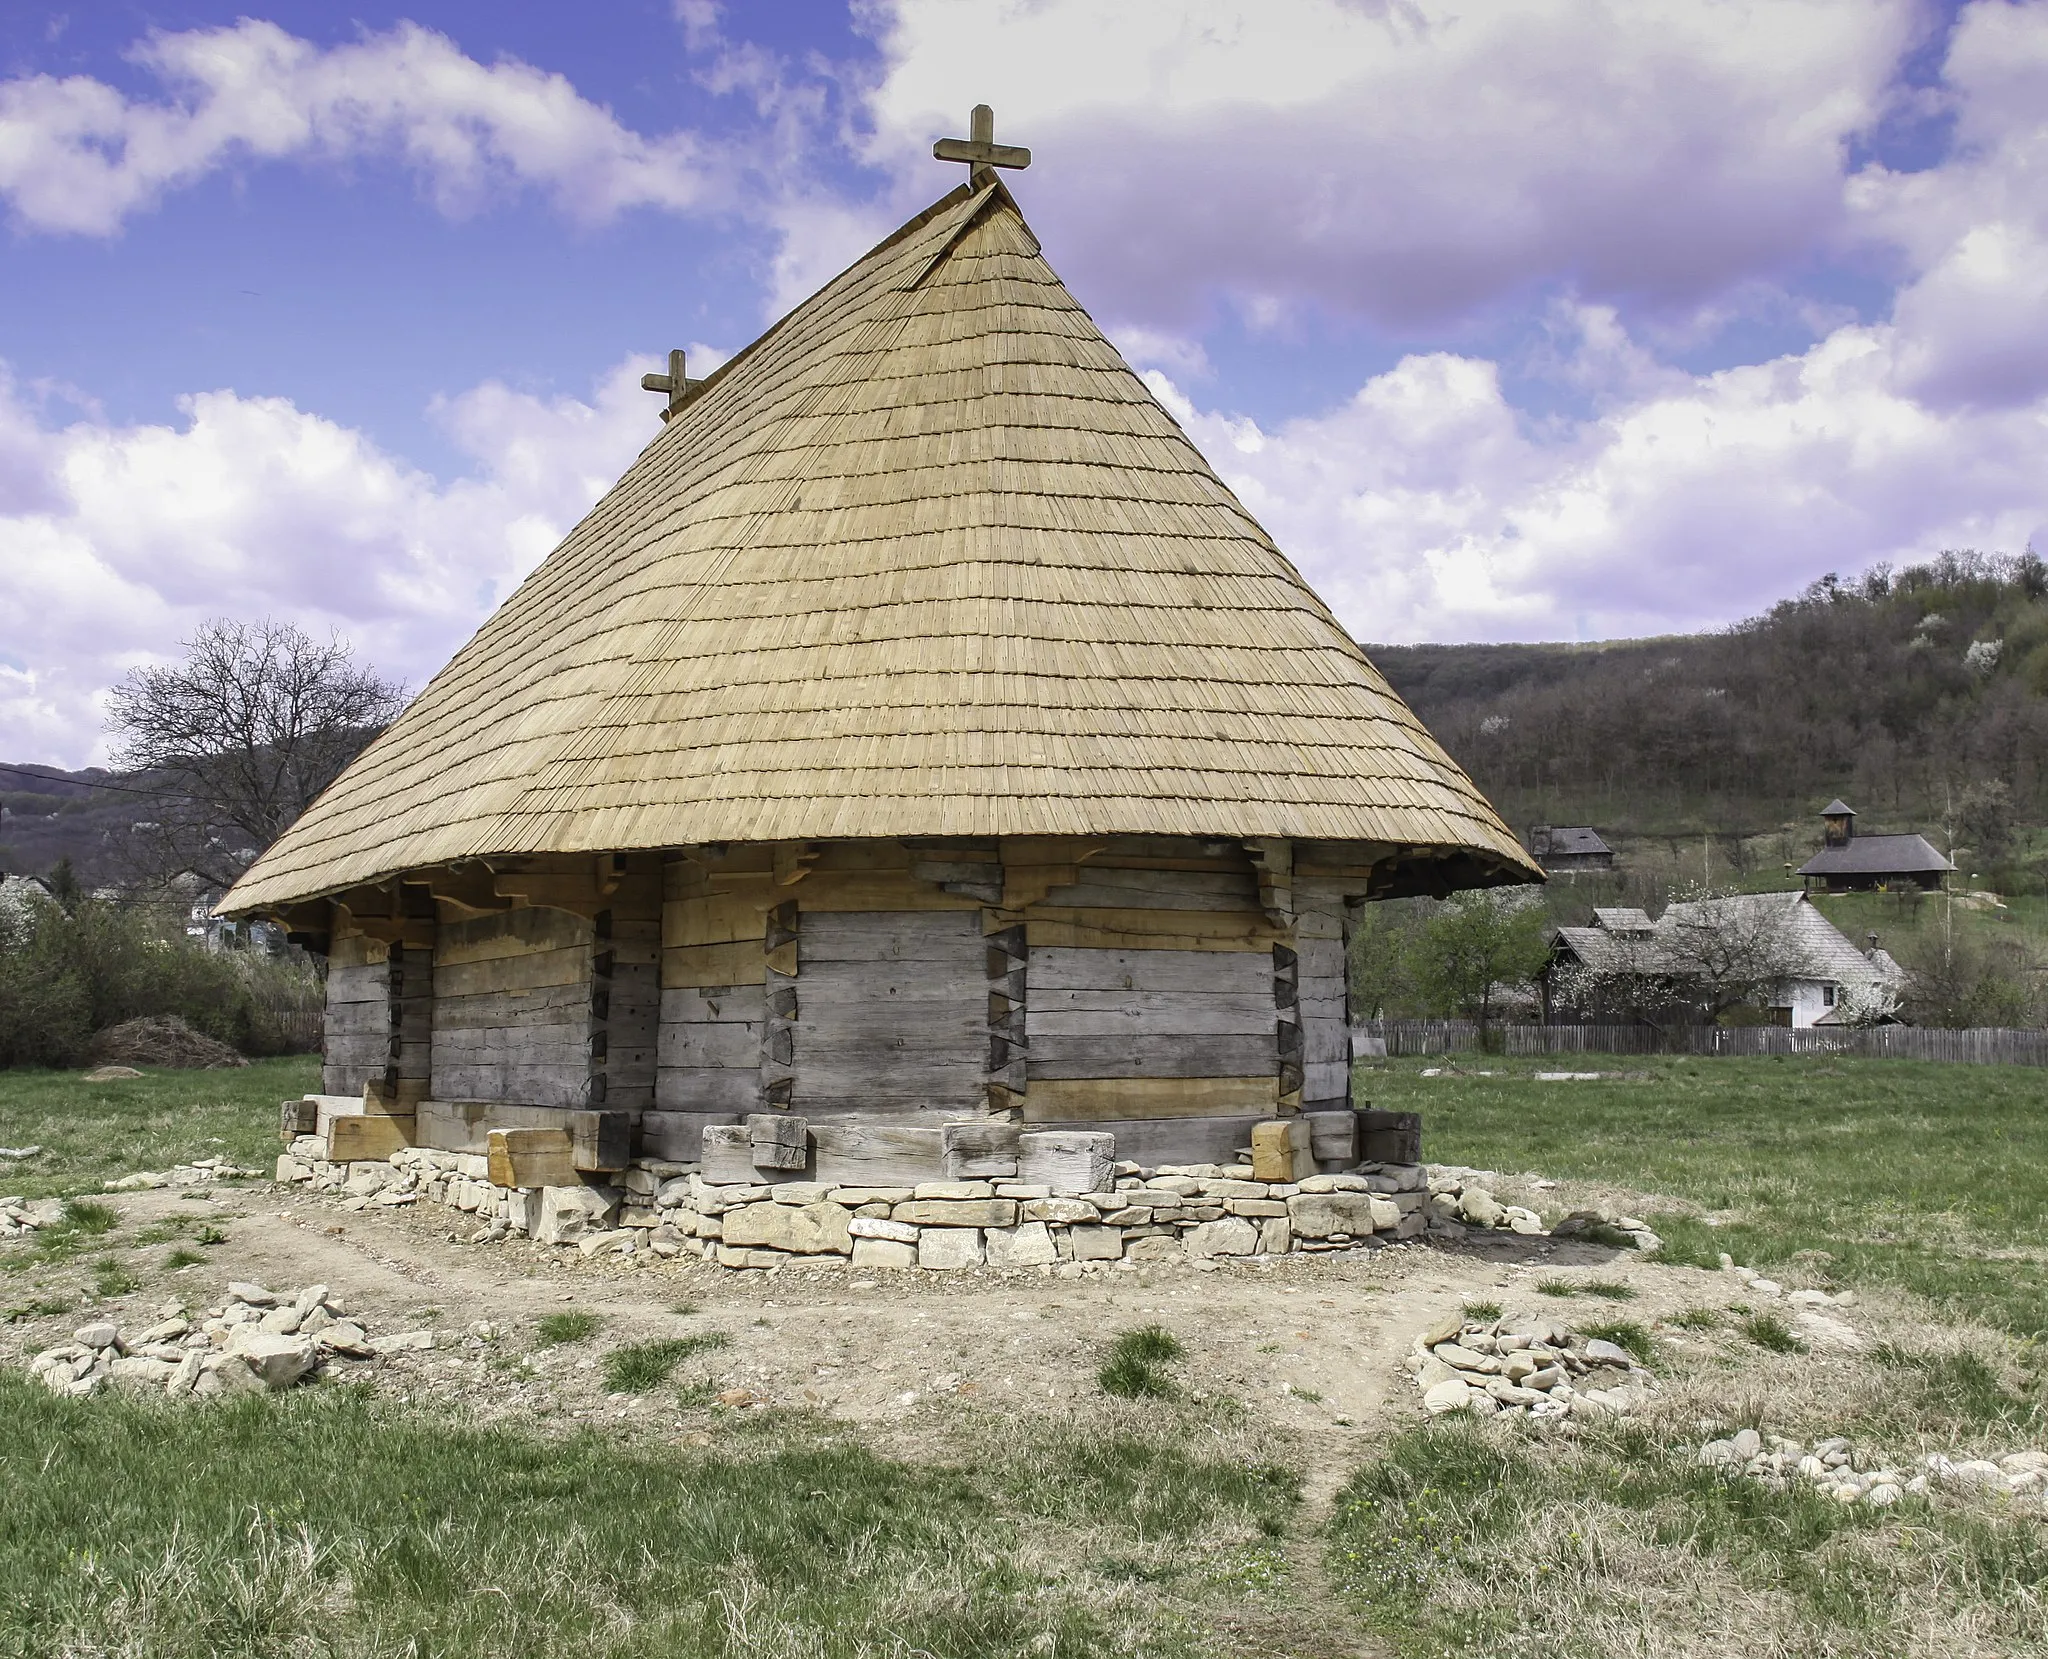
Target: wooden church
{"x": 919, "y": 733}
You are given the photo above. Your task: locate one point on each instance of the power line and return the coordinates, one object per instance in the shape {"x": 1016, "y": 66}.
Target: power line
{"x": 118, "y": 788}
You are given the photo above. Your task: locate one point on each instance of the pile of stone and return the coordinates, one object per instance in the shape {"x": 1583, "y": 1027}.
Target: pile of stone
{"x": 1610, "y": 1227}
{"x": 1460, "y": 1200}
{"x": 2022, "y": 1476}
{"x": 1830, "y": 1466}
{"x": 19, "y": 1218}
{"x": 1817, "y": 1311}
{"x": 1101, "y": 1216}
{"x": 1531, "y": 1367}
{"x": 256, "y": 1340}
{"x": 195, "y": 1174}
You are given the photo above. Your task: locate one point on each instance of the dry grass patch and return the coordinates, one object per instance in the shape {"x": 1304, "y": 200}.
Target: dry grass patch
{"x": 1468, "y": 1537}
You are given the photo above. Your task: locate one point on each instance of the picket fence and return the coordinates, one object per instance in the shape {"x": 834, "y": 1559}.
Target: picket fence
{"x": 303, "y": 1028}
{"x": 1986, "y": 1046}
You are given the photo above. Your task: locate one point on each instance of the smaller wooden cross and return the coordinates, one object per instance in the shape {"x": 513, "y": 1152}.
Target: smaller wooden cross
{"x": 680, "y": 389}
{"x": 981, "y": 152}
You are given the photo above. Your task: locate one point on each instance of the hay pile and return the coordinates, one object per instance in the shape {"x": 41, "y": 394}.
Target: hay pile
{"x": 161, "y": 1040}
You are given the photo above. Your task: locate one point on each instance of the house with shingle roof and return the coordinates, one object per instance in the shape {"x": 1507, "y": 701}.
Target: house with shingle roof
{"x": 1852, "y": 863}
{"x": 1792, "y": 965}
{"x": 920, "y": 732}
{"x": 1564, "y": 850}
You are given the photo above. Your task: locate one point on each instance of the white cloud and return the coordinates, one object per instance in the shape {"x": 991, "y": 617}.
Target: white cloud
{"x": 1425, "y": 509}
{"x": 77, "y": 155}
{"x": 1180, "y": 354}
{"x": 128, "y": 536}
{"x": 1973, "y": 315}
{"x": 1408, "y": 161}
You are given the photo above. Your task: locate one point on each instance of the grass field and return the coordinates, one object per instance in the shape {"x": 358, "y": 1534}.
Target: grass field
{"x": 94, "y": 1132}
{"x": 1927, "y": 1177}
{"x": 1152, "y": 1519}
{"x": 326, "y": 1522}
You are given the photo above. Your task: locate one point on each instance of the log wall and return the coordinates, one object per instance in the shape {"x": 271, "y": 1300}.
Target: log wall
{"x": 379, "y": 1018}
{"x": 1170, "y": 990}
{"x": 1124, "y": 982}
{"x": 512, "y": 1008}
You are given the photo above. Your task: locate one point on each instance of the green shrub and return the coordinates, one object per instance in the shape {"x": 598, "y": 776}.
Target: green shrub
{"x": 65, "y": 974}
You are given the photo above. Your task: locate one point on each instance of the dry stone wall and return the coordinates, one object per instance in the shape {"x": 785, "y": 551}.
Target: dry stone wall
{"x": 1080, "y": 1211}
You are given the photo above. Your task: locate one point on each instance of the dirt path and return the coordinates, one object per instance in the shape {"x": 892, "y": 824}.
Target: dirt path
{"x": 1309, "y": 1345}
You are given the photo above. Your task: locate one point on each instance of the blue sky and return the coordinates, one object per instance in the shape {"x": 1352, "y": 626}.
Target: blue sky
{"x": 1559, "y": 320}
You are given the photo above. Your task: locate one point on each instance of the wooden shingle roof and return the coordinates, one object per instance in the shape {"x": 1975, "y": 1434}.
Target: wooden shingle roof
{"x": 926, "y": 559}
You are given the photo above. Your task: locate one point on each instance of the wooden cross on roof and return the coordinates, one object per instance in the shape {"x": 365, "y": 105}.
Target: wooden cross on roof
{"x": 981, "y": 152}
{"x": 679, "y": 387}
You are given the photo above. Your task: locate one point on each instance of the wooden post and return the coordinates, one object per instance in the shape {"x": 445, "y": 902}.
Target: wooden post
{"x": 778, "y": 1027}
{"x": 1008, "y": 960}
{"x": 1287, "y": 1024}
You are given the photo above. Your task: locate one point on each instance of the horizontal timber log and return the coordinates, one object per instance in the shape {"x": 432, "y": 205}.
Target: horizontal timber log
{"x": 1148, "y": 1013}
{"x": 1100, "y": 1099}
{"x": 738, "y": 963}
{"x": 722, "y": 1089}
{"x": 1232, "y": 973}
{"x": 1110, "y": 889}
{"x": 678, "y": 1136}
{"x": 531, "y": 1158}
{"x": 1186, "y": 930}
{"x": 1156, "y": 1057}
{"x": 727, "y": 1043}
{"x": 513, "y": 933}
{"x": 1180, "y": 1140}
{"x": 567, "y": 966}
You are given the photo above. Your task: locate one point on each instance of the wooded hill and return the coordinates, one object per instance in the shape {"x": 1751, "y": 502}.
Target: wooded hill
{"x": 50, "y": 814}
{"x": 1915, "y": 694}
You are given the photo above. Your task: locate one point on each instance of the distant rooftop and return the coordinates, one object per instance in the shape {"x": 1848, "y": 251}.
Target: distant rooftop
{"x": 1878, "y": 855}
{"x": 1567, "y": 841}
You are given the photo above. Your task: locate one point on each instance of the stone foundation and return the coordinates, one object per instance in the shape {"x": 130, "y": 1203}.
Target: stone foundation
{"x": 1186, "y": 1213}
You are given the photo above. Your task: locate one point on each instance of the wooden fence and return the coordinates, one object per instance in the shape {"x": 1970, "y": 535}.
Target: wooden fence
{"x": 1987, "y": 1046}
{"x": 302, "y": 1027}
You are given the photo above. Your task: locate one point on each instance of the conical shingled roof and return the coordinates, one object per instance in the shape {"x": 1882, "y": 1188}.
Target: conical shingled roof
{"x": 926, "y": 559}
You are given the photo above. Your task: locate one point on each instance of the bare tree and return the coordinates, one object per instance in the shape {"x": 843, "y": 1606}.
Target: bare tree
{"x": 255, "y": 722}
{"x": 1733, "y": 951}
{"x": 1705, "y": 956}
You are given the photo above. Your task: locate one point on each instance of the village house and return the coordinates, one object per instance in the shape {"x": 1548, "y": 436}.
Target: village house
{"x": 1570, "y": 850}
{"x": 20, "y": 894}
{"x": 1852, "y": 863}
{"x": 1773, "y": 956}
{"x": 920, "y": 746}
